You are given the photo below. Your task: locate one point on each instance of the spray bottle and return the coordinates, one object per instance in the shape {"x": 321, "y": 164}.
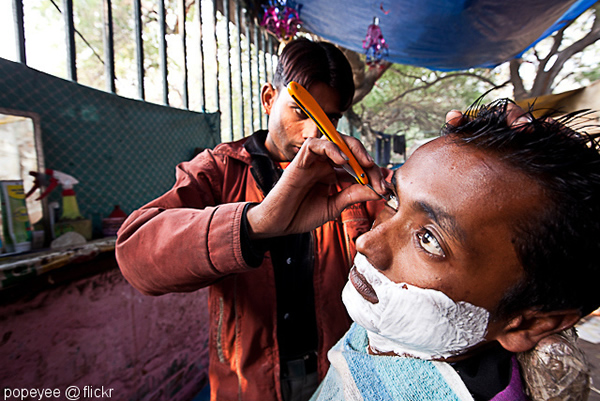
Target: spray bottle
{"x": 51, "y": 179}
{"x": 71, "y": 218}
{"x": 70, "y": 209}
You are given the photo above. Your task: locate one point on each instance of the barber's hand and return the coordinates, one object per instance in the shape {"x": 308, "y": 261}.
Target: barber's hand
{"x": 515, "y": 116}
{"x": 302, "y": 200}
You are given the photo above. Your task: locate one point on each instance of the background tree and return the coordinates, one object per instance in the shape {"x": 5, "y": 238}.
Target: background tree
{"x": 413, "y": 100}
{"x": 550, "y": 57}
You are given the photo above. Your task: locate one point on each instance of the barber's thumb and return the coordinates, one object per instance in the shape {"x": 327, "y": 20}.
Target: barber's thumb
{"x": 454, "y": 117}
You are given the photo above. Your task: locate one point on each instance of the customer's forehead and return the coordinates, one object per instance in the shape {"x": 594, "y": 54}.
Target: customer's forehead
{"x": 448, "y": 157}
{"x": 462, "y": 178}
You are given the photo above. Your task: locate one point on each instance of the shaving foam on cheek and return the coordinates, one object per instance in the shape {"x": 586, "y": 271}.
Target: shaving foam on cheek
{"x": 412, "y": 321}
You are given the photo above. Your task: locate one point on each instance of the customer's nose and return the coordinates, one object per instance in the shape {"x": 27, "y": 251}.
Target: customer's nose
{"x": 374, "y": 245}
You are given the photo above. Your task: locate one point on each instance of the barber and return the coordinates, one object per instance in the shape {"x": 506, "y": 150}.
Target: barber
{"x": 275, "y": 275}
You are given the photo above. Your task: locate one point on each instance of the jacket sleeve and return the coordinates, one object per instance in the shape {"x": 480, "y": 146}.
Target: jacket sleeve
{"x": 185, "y": 239}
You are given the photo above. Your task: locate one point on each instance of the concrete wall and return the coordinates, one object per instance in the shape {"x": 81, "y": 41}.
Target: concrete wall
{"x": 100, "y": 332}
{"x": 588, "y": 98}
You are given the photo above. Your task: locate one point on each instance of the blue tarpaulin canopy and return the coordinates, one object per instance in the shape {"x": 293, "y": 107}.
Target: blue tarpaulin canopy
{"x": 442, "y": 34}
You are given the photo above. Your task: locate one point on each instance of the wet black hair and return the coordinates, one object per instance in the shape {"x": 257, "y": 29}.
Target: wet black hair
{"x": 559, "y": 248}
{"x": 306, "y": 62}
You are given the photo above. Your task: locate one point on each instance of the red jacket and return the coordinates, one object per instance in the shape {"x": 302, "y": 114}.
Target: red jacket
{"x": 189, "y": 238}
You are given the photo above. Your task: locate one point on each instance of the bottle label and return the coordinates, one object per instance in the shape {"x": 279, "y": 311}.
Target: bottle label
{"x": 15, "y": 219}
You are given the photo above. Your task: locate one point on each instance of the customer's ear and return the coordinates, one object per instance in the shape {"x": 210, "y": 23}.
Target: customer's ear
{"x": 524, "y": 331}
{"x": 268, "y": 94}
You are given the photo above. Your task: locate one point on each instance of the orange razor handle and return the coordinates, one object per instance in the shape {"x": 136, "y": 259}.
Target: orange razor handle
{"x": 309, "y": 105}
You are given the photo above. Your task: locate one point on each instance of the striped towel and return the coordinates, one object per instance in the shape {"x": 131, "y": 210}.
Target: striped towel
{"x": 356, "y": 375}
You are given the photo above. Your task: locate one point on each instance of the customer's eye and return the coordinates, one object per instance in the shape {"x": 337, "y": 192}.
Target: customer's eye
{"x": 300, "y": 112}
{"x": 429, "y": 243}
{"x": 392, "y": 202}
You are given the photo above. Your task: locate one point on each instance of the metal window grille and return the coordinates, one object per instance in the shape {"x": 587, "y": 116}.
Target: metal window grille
{"x": 199, "y": 55}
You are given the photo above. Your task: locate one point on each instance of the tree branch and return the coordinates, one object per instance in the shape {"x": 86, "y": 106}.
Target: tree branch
{"x": 563, "y": 78}
{"x": 404, "y": 74}
{"x": 364, "y": 78}
{"x": 544, "y": 82}
{"x": 545, "y": 77}
{"x": 519, "y": 91}
{"x": 439, "y": 79}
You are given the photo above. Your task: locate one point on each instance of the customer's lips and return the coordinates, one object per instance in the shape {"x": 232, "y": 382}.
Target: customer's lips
{"x": 362, "y": 286}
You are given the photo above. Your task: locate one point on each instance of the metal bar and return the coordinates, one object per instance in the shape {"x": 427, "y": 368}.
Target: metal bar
{"x": 183, "y": 33}
{"x": 139, "y": 47}
{"x": 217, "y": 97}
{"x": 162, "y": 47}
{"x": 270, "y": 56}
{"x": 264, "y": 60}
{"x": 238, "y": 20}
{"x": 263, "y": 63}
{"x": 70, "y": 39}
{"x": 19, "y": 31}
{"x": 250, "y": 86}
{"x": 202, "y": 72}
{"x": 109, "y": 54}
{"x": 229, "y": 90}
{"x": 258, "y": 79}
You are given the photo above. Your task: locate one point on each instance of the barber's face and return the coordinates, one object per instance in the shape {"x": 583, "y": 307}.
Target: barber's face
{"x": 288, "y": 126}
{"x": 452, "y": 229}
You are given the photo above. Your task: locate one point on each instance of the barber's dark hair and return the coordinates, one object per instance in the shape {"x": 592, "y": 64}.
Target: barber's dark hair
{"x": 306, "y": 62}
{"x": 559, "y": 248}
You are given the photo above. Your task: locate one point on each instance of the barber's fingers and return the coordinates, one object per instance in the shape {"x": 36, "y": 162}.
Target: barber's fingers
{"x": 349, "y": 196}
{"x": 313, "y": 163}
{"x": 358, "y": 150}
{"x": 454, "y": 117}
{"x": 318, "y": 150}
{"x": 324, "y": 147}
{"x": 314, "y": 160}
{"x": 515, "y": 116}
{"x": 302, "y": 199}
{"x": 367, "y": 163}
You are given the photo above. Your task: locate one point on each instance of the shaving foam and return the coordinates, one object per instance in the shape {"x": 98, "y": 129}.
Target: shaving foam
{"x": 413, "y": 321}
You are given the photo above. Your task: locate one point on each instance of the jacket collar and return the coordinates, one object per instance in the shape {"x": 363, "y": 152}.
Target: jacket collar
{"x": 265, "y": 172}
{"x": 255, "y": 145}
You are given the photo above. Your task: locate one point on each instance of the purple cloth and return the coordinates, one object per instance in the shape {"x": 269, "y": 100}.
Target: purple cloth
{"x": 514, "y": 390}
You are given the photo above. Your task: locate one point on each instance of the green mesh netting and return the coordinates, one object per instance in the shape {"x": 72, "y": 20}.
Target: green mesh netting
{"x": 122, "y": 151}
